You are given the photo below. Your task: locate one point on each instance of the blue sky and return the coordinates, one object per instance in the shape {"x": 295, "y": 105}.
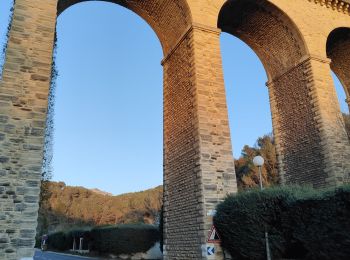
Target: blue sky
{"x": 108, "y": 112}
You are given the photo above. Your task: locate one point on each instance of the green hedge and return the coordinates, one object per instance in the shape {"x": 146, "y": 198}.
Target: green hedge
{"x": 322, "y": 224}
{"x": 37, "y": 242}
{"x": 63, "y": 240}
{"x": 77, "y": 234}
{"x": 59, "y": 241}
{"x": 124, "y": 239}
{"x": 302, "y": 223}
{"x": 121, "y": 239}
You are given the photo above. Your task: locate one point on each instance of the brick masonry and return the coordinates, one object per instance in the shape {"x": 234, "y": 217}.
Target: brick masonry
{"x": 297, "y": 41}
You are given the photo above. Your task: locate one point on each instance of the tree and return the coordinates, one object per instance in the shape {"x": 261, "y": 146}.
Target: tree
{"x": 267, "y": 150}
{"x": 152, "y": 206}
{"x": 248, "y": 174}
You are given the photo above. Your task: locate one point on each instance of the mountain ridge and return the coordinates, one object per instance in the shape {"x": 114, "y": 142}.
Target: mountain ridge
{"x": 66, "y": 207}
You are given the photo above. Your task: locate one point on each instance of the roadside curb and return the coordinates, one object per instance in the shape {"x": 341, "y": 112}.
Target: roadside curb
{"x": 66, "y": 254}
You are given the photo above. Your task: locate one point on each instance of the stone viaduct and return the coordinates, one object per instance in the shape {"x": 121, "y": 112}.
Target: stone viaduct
{"x": 298, "y": 42}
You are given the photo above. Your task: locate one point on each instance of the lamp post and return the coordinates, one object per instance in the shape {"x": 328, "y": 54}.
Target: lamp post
{"x": 259, "y": 162}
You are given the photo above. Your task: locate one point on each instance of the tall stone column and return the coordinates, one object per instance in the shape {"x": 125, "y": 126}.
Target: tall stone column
{"x": 199, "y": 166}
{"x": 335, "y": 142}
{"x": 312, "y": 144}
{"x": 23, "y": 104}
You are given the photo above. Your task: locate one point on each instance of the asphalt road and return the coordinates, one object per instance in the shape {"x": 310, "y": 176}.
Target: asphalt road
{"x": 39, "y": 255}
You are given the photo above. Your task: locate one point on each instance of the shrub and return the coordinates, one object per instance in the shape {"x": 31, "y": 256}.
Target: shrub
{"x": 37, "y": 242}
{"x": 301, "y": 222}
{"x": 77, "y": 234}
{"x": 63, "y": 240}
{"x": 124, "y": 239}
{"x": 121, "y": 239}
{"x": 322, "y": 225}
{"x": 242, "y": 219}
{"x": 58, "y": 241}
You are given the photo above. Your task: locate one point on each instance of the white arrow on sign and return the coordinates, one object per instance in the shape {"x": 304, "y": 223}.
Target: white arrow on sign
{"x": 211, "y": 250}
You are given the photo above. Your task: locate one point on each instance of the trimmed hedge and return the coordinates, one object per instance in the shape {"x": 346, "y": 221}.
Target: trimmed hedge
{"x": 124, "y": 239}
{"x": 302, "y": 223}
{"x": 63, "y": 241}
{"x": 322, "y": 224}
{"x": 59, "y": 241}
{"x": 121, "y": 239}
{"x": 77, "y": 234}
{"x": 37, "y": 242}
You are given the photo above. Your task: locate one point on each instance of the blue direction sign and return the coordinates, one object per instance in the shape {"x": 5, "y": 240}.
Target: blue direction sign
{"x": 210, "y": 250}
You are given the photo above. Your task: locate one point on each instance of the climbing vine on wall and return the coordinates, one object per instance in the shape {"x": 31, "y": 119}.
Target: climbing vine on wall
{"x": 46, "y": 170}
{"x": 4, "y": 47}
{"x": 49, "y": 131}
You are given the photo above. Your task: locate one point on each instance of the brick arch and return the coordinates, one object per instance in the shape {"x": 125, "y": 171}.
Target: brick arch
{"x": 267, "y": 30}
{"x": 281, "y": 48}
{"x": 338, "y": 50}
{"x": 169, "y": 19}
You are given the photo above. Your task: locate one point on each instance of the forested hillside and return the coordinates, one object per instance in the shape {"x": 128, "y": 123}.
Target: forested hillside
{"x": 67, "y": 207}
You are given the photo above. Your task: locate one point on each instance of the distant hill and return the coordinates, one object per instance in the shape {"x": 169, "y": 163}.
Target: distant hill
{"x": 67, "y": 207}
{"x": 101, "y": 192}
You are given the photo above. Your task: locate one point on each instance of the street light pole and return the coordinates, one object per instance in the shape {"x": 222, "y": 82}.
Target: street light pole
{"x": 259, "y": 162}
{"x": 260, "y": 178}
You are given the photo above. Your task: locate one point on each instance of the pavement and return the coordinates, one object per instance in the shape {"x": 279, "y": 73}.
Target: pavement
{"x": 47, "y": 255}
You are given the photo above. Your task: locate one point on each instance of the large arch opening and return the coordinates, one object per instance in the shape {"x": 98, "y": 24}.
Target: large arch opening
{"x": 249, "y": 113}
{"x": 111, "y": 62}
{"x": 168, "y": 28}
{"x": 267, "y": 30}
{"x": 338, "y": 50}
{"x": 108, "y": 119}
{"x": 277, "y": 42}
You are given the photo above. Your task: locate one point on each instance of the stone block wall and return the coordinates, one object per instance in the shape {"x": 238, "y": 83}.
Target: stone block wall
{"x": 181, "y": 220}
{"x": 198, "y": 157}
{"x": 334, "y": 140}
{"x": 294, "y": 128}
{"x": 23, "y": 105}
{"x": 299, "y": 116}
{"x": 290, "y": 38}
